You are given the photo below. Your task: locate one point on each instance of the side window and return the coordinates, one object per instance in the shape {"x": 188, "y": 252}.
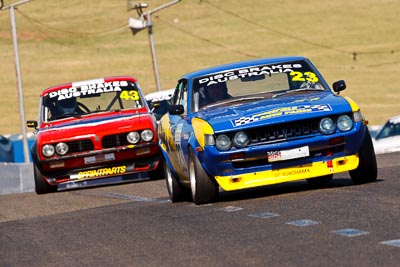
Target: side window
{"x": 48, "y": 109}
{"x": 175, "y": 97}
{"x": 180, "y": 96}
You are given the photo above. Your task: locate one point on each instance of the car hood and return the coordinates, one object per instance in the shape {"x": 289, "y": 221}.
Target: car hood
{"x": 89, "y": 126}
{"x": 272, "y": 111}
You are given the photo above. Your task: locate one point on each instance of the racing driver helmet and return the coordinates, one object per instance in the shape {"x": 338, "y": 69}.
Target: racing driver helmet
{"x": 67, "y": 106}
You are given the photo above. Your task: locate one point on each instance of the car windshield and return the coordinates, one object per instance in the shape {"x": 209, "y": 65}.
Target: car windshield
{"x": 254, "y": 83}
{"x": 159, "y": 108}
{"x": 159, "y": 102}
{"x": 391, "y": 128}
{"x": 88, "y": 99}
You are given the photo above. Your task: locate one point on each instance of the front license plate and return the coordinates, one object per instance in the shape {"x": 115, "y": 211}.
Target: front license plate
{"x": 295, "y": 153}
{"x": 99, "y": 158}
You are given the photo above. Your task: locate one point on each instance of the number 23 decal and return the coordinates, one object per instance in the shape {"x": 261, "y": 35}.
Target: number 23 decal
{"x": 302, "y": 77}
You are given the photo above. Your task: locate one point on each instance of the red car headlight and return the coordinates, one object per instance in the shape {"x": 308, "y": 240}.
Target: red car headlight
{"x": 48, "y": 150}
{"x": 147, "y": 135}
{"x": 133, "y": 137}
{"x": 62, "y": 149}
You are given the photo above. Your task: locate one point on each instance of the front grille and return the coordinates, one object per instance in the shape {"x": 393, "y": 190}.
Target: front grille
{"x": 80, "y": 146}
{"x": 284, "y": 131}
{"x": 114, "y": 140}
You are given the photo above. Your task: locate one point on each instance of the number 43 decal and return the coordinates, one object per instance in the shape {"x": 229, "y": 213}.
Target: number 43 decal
{"x": 129, "y": 95}
{"x": 302, "y": 77}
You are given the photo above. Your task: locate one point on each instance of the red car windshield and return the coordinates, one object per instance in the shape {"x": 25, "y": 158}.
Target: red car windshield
{"x": 87, "y": 99}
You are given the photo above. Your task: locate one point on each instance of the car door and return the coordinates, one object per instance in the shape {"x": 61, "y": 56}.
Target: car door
{"x": 179, "y": 132}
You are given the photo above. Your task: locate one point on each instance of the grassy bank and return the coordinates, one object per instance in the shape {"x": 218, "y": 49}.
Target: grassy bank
{"x": 64, "y": 41}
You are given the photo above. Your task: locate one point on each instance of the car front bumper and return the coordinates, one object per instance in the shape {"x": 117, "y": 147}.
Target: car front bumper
{"x": 100, "y": 164}
{"x": 293, "y": 173}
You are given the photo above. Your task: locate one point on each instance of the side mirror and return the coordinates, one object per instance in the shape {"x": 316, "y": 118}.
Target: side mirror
{"x": 176, "y": 109}
{"x": 339, "y": 86}
{"x": 32, "y": 124}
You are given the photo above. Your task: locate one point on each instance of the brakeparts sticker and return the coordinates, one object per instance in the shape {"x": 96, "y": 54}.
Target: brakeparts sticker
{"x": 88, "y": 89}
{"x": 281, "y": 112}
{"x": 98, "y": 173}
{"x": 249, "y": 72}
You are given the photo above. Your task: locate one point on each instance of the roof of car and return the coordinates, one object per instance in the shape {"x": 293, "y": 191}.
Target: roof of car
{"x": 92, "y": 81}
{"x": 395, "y": 119}
{"x": 240, "y": 64}
{"x": 160, "y": 95}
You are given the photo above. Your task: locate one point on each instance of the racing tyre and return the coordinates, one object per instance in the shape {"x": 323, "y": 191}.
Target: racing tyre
{"x": 204, "y": 188}
{"x": 41, "y": 186}
{"x": 158, "y": 173}
{"x": 367, "y": 170}
{"x": 175, "y": 191}
{"x": 319, "y": 181}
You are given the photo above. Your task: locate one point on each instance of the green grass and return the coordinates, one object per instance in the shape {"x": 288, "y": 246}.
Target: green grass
{"x": 65, "y": 41}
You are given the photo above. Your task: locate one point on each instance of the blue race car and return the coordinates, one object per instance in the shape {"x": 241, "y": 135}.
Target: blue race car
{"x": 257, "y": 123}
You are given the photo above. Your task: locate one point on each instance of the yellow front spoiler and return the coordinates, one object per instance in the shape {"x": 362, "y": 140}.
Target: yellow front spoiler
{"x": 300, "y": 172}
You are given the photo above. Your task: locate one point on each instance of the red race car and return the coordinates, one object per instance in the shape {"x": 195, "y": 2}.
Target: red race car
{"x": 91, "y": 130}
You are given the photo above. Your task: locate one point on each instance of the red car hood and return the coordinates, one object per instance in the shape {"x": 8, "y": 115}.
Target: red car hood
{"x": 99, "y": 126}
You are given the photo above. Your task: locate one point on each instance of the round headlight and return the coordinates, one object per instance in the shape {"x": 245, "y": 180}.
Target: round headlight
{"x": 241, "y": 139}
{"x": 147, "y": 135}
{"x": 327, "y": 126}
{"x": 344, "y": 123}
{"x": 62, "y": 149}
{"x": 48, "y": 150}
{"x": 223, "y": 142}
{"x": 133, "y": 137}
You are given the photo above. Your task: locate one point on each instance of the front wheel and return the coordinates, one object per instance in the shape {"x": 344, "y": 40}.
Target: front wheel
{"x": 176, "y": 192}
{"x": 41, "y": 186}
{"x": 204, "y": 188}
{"x": 367, "y": 170}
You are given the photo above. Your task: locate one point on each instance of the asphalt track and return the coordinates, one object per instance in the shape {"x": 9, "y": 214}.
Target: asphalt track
{"x": 134, "y": 224}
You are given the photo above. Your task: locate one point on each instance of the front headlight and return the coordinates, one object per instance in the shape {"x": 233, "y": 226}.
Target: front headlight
{"x": 48, "y": 150}
{"x": 223, "y": 142}
{"x": 344, "y": 123}
{"x": 327, "y": 126}
{"x": 241, "y": 139}
{"x": 62, "y": 149}
{"x": 133, "y": 137}
{"x": 147, "y": 135}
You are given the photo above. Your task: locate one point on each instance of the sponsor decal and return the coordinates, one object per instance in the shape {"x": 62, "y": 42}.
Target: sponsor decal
{"x": 178, "y": 134}
{"x": 278, "y": 112}
{"x": 88, "y": 89}
{"x": 292, "y": 172}
{"x": 288, "y": 154}
{"x": 256, "y": 71}
{"x": 130, "y": 95}
{"x": 178, "y": 145}
{"x": 98, "y": 173}
{"x": 308, "y": 76}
